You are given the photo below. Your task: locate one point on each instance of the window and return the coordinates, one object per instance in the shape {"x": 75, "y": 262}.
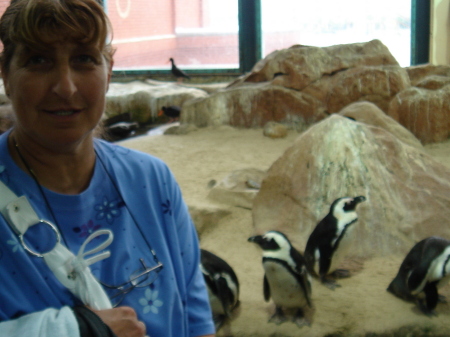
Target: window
{"x": 197, "y": 34}
{"x": 328, "y": 22}
{"x": 203, "y": 36}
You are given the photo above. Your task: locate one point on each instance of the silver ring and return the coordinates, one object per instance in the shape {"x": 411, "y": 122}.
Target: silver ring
{"x": 28, "y": 249}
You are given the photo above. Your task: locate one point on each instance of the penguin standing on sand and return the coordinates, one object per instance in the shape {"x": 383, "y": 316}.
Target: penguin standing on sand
{"x": 222, "y": 285}
{"x": 286, "y": 279}
{"x": 425, "y": 269}
{"x": 330, "y": 240}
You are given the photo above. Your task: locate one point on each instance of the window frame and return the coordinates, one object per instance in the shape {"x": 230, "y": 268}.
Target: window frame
{"x": 250, "y": 41}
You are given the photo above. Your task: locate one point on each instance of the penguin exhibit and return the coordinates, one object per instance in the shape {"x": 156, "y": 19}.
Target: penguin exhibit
{"x": 319, "y": 183}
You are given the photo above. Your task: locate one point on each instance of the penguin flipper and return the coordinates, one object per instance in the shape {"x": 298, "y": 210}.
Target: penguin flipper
{"x": 326, "y": 254}
{"x": 301, "y": 274}
{"x": 225, "y": 295}
{"x": 266, "y": 289}
{"x": 306, "y": 286}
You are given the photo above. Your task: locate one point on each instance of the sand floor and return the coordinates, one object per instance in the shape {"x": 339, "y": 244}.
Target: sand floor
{"x": 360, "y": 307}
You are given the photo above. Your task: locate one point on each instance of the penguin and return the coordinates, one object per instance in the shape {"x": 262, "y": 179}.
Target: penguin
{"x": 222, "y": 285}
{"x": 425, "y": 269}
{"x": 177, "y": 72}
{"x": 330, "y": 239}
{"x": 286, "y": 279}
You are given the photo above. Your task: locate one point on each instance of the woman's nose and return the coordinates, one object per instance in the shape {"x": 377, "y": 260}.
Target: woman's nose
{"x": 64, "y": 81}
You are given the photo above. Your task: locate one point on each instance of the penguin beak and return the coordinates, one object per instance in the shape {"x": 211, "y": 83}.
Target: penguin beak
{"x": 359, "y": 199}
{"x": 258, "y": 239}
{"x": 350, "y": 206}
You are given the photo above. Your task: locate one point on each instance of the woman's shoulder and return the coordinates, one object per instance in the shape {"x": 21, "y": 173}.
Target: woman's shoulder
{"x": 120, "y": 155}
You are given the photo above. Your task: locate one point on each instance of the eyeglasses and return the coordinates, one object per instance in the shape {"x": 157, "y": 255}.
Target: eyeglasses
{"x": 140, "y": 278}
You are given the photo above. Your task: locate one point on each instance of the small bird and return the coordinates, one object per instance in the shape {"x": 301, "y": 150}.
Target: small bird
{"x": 177, "y": 72}
{"x": 330, "y": 240}
{"x": 222, "y": 284}
{"x": 173, "y": 112}
{"x": 425, "y": 269}
{"x": 286, "y": 279}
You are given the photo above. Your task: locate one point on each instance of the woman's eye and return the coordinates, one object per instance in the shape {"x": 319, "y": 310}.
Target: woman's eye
{"x": 37, "y": 60}
{"x": 85, "y": 59}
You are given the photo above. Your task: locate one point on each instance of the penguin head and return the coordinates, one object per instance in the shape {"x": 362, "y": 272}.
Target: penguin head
{"x": 271, "y": 241}
{"x": 342, "y": 206}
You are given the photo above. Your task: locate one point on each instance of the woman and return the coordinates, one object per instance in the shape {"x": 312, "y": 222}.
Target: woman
{"x": 56, "y": 66}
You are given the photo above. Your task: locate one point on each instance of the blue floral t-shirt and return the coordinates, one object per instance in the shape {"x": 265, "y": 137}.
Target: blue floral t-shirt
{"x": 136, "y": 197}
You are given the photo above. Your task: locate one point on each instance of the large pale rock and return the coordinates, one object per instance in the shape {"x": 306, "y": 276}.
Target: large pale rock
{"x": 207, "y": 216}
{"x": 143, "y": 100}
{"x": 369, "y": 113}
{"x": 374, "y": 84}
{"x": 407, "y": 191}
{"x": 303, "y": 65}
{"x": 426, "y": 113}
{"x": 253, "y": 106}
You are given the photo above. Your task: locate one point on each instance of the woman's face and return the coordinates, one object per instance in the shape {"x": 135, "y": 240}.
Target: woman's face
{"x": 58, "y": 93}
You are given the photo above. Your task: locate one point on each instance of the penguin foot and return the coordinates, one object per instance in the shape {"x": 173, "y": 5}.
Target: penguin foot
{"x": 219, "y": 320}
{"x": 300, "y": 320}
{"x": 331, "y": 284}
{"x": 341, "y": 273}
{"x": 423, "y": 307}
{"x": 278, "y": 317}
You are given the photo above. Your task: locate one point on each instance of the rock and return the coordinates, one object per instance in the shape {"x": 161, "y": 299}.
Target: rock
{"x": 238, "y": 189}
{"x": 303, "y": 65}
{"x": 275, "y": 130}
{"x": 407, "y": 191}
{"x": 143, "y": 100}
{"x": 426, "y": 113}
{"x": 374, "y": 84}
{"x": 418, "y": 73}
{"x": 253, "y": 106}
{"x": 369, "y": 113}
{"x": 434, "y": 82}
{"x": 206, "y": 216}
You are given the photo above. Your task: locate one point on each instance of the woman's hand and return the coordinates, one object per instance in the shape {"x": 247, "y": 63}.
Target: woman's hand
{"x": 123, "y": 321}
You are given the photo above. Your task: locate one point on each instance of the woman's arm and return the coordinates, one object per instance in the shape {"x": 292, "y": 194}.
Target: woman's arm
{"x": 47, "y": 323}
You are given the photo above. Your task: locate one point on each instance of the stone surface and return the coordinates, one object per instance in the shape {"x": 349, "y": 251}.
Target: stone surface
{"x": 303, "y": 65}
{"x": 143, "y": 100}
{"x": 238, "y": 188}
{"x": 275, "y": 130}
{"x": 407, "y": 191}
{"x": 426, "y": 113}
{"x": 369, "y": 113}
{"x": 374, "y": 84}
{"x": 418, "y": 73}
{"x": 207, "y": 216}
{"x": 253, "y": 106}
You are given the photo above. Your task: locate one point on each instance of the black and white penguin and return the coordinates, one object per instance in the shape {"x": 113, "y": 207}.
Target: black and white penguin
{"x": 425, "y": 269}
{"x": 286, "y": 279}
{"x": 222, "y": 284}
{"x": 331, "y": 239}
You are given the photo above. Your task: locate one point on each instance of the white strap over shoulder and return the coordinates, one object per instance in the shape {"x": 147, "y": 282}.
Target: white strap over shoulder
{"x": 72, "y": 271}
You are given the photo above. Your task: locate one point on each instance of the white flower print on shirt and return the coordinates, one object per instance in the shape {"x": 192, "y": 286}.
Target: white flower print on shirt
{"x": 150, "y": 302}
